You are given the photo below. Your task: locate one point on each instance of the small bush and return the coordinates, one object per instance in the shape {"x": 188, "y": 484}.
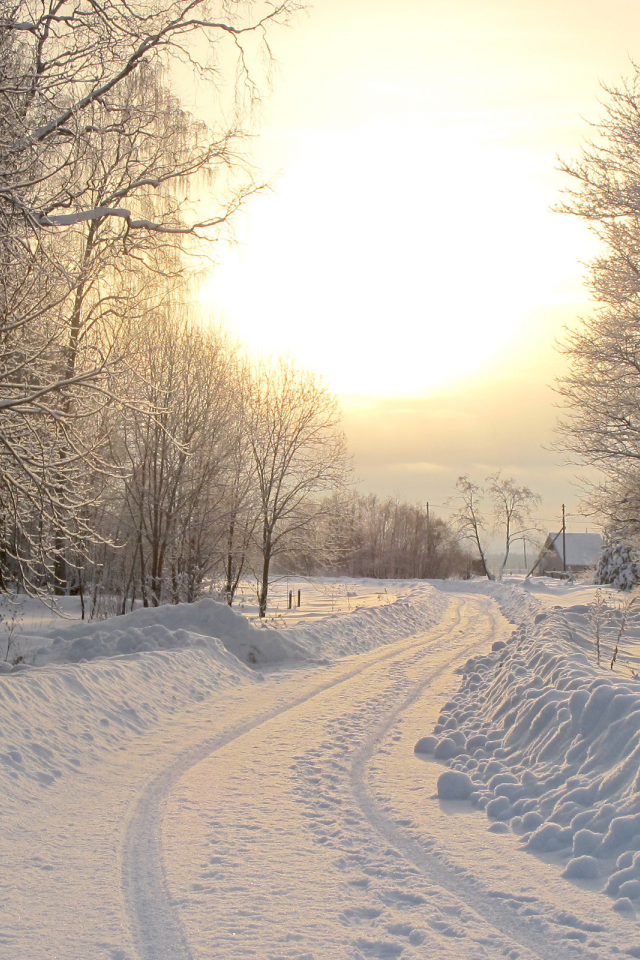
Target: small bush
{"x": 616, "y": 566}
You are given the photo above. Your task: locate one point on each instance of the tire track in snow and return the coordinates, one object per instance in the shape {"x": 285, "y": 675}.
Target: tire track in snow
{"x": 153, "y": 916}
{"x": 430, "y": 866}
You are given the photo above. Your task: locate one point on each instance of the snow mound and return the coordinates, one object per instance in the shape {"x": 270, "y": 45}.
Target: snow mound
{"x": 453, "y": 785}
{"x": 206, "y": 624}
{"x": 56, "y": 722}
{"x": 209, "y": 624}
{"x": 419, "y": 607}
{"x": 96, "y": 686}
{"x": 551, "y": 743}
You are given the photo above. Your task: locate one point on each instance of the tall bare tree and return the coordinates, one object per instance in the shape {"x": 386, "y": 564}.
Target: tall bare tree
{"x": 241, "y": 503}
{"x": 601, "y": 391}
{"x": 176, "y": 460}
{"x": 512, "y": 510}
{"x": 470, "y": 519}
{"x": 292, "y": 423}
{"x": 501, "y": 508}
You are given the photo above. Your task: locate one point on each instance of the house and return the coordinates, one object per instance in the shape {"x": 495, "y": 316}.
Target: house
{"x": 581, "y": 552}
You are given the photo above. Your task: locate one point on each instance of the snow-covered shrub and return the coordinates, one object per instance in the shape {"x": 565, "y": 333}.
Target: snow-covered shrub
{"x": 617, "y": 566}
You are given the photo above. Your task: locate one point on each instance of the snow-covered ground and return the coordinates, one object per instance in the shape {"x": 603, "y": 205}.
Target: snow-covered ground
{"x": 179, "y": 783}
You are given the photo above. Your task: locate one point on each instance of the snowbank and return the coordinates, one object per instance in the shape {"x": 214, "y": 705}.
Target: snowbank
{"x": 551, "y": 743}
{"x": 183, "y": 626}
{"x": 97, "y": 685}
{"x": 418, "y": 608}
{"x": 205, "y": 624}
{"x": 57, "y": 721}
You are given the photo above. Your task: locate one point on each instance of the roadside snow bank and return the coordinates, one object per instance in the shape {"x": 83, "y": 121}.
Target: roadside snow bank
{"x": 551, "y": 744}
{"x": 419, "y": 607}
{"x": 171, "y": 627}
{"x": 100, "y": 685}
{"x": 203, "y": 625}
{"x": 57, "y": 721}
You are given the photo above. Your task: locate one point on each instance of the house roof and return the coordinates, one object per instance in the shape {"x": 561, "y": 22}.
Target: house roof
{"x": 582, "y": 549}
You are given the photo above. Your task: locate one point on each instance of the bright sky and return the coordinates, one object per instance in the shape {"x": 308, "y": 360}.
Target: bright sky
{"x": 408, "y": 251}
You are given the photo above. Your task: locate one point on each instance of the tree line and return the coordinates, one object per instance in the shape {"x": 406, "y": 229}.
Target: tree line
{"x": 228, "y": 470}
{"x": 143, "y": 453}
{"x": 100, "y": 162}
{"x": 363, "y": 535}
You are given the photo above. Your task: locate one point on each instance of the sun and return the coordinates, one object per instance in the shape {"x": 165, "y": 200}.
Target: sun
{"x": 393, "y": 285}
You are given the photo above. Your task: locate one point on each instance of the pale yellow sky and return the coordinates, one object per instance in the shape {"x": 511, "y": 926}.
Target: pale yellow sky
{"x": 408, "y": 251}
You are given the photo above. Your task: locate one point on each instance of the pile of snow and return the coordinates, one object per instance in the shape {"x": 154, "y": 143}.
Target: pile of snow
{"x": 419, "y": 607}
{"x": 57, "y": 721}
{"x": 173, "y": 627}
{"x": 97, "y": 685}
{"x": 548, "y": 744}
{"x": 208, "y": 623}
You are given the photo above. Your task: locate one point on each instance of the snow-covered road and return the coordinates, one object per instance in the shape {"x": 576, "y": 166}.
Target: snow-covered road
{"x": 271, "y": 847}
{"x": 290, "y": 818}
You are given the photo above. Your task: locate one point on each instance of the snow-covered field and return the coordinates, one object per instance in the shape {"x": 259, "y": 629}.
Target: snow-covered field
{"x": 180, "y": 783}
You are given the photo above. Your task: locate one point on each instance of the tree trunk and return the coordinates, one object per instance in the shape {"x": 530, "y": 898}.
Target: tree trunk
{"x": 228, "y": 587}
{"x": 264, "y": 585}
{"x": 60, "y": 581}
{"x": 488, "y": 573}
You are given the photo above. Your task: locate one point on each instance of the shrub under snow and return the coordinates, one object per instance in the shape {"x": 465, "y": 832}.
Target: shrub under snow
{"x": 617, "y": 566}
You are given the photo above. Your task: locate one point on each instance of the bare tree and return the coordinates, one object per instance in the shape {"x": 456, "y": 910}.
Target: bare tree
{"x": 176, "y": 459}
{"x": 241, "y": 506}
{"x": 469, "y": 518}
{"x": 512, "y": 508}
{"x": 601, "y": 391}
{"x": 508, "y": 512}
{"x": 61, "y": 66}
{"x": 292, "y": 423}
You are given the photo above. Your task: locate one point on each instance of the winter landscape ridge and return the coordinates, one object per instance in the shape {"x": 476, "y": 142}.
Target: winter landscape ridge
{"x": 180, "y": 783}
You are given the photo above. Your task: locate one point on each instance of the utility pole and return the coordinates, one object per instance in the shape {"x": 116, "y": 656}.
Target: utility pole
{"x": 564, "y": 541}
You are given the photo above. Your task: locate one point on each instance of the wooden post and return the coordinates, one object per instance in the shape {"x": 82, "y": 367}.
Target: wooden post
{"x": 564, "y": 542}
{"x": 299, "y": 592}
{"x": 290, "y": 599}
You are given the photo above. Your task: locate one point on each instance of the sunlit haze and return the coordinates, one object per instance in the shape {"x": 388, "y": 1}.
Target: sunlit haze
{"x": 408, "y": 249}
